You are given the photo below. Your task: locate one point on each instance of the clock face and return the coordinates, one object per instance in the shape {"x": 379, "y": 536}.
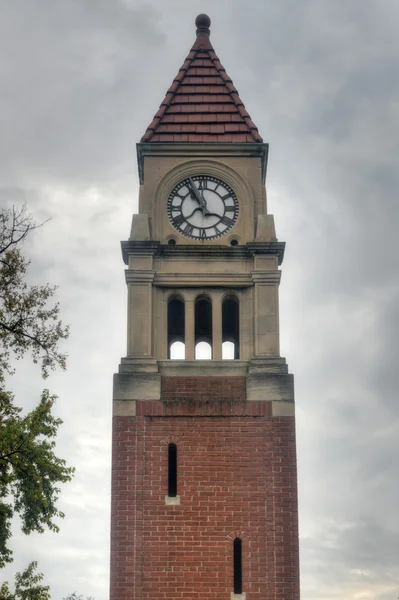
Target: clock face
{"x": 202, "y": 207}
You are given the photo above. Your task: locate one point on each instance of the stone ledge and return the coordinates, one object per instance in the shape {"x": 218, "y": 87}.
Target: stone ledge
{"x": 130, "y": 364}
{"x": 203, "y": 368}
{"x": 172, "y": 500}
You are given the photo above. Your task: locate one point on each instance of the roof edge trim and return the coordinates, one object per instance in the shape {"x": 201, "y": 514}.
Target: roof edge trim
{"x": 201, "y": 149}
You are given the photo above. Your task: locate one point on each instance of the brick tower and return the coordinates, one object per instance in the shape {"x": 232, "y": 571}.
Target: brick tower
{"x": 204, "y": 486}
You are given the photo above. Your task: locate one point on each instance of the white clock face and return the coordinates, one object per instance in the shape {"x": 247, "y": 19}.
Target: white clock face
{"x": 202, "y": 207}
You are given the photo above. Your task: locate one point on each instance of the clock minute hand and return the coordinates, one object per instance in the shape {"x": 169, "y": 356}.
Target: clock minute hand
{"x": 200, "y": 199}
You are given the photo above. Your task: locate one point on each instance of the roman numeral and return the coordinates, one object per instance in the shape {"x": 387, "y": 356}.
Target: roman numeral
{"x": 226, "y": 221}
{"x": 189, "y": 229}
{"x": 202, "y": 234}
{"x": 225, "y": 196}
{"x": 178, "y": 220}
{"x": 203, "y": 184}
{"x": 230, "y": 208}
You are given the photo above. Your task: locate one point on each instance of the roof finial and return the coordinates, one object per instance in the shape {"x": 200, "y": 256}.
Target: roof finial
{"x": 203, "y": 23}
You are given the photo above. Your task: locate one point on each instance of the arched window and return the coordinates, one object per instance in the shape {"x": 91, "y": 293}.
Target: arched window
{"x": 203, "y": 328}
{"x": 177, "y": 351}
{"x": 230, "y": 327}
{"x": 172, "y": 470}
{"x": 237, "y": 549}
{"x": 203, "y": 351}
{"x": 176, "y": 348}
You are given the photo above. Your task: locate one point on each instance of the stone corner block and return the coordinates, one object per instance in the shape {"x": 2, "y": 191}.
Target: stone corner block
{"x": 140, "y": 230}
{"x": 265, "y": 230}
{"x": 124, "y": 408}
{"x": 270, "y": 387}
{"x": 137, "y": 386}
{"x": 283, "y": 409}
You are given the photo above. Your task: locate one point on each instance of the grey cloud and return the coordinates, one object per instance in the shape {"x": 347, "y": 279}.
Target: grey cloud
{"x": 72, "y": 72}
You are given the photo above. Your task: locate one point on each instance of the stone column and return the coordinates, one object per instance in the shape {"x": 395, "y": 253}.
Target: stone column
{"x": 189, "y": 332}
{"x": 139, "y": 332}
{"x": 266, "y": 319}
{"x": 216, "y": 326}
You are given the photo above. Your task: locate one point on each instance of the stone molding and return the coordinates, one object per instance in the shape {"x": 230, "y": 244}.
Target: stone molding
{"x": 200, "y": 250}
{"x": 267, "y": 380}
{"x": 268, "y": 277}
{"x": 135, "y": 276}
{"x": 203, "y": 150}
{"x": 212, "y": 280}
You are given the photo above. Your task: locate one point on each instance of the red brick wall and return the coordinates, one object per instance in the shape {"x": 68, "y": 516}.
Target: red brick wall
{"x": 236, "y": 476}
{"x": 203, "y": 389}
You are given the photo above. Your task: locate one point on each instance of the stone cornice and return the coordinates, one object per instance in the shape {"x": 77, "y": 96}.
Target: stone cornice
{"x": 230, "y": 280}
{"x": 150, "y": 248}
{"x": 267, "y": 277}
{"x": 136, "y": 276}
{"x": 201, "y": 150}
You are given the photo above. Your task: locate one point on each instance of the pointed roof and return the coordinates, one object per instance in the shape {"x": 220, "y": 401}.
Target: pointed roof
{"x": 202, "y": 104}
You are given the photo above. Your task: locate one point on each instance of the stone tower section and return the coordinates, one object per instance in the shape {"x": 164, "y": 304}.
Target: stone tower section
{"x": 204, "y": 479}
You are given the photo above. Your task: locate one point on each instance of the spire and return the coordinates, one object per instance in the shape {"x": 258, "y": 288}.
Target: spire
{"x": 202, "y": 104}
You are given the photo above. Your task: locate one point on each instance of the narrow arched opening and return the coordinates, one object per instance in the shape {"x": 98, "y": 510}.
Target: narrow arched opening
{"x": 176, "y": 331}
{"x": 203, "y": 328}
{"x": 237, "y": 560}
{"x": 203, "y": 351}
{"x": 230, "y": 328}
{"x": 172, "y": 470}
{"x": 177, "y": 351}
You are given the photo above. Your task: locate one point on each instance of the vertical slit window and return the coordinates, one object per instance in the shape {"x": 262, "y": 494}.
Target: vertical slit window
{"x": 237, "y": 545}
{"x": 203, "y": 328}
{"x": 231, "y": 328}
{"x": 172, "y": 470}
{"x": 176, "y": 332}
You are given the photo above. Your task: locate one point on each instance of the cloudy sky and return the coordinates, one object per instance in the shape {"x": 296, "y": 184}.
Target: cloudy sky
{"x": 81, "y": 80}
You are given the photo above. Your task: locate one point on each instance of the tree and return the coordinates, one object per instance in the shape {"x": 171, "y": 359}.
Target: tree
{"x": 30, "y": 472}
{"x": 27, "y": 324}
{"x": 28, "y": 586}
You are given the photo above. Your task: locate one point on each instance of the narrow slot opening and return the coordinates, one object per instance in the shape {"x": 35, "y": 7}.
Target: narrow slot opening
{"x": 237, "y": 566}
{"x": 231, "y": 328}
{"x": 176, "y": 331}
{"x": 203, "y": 328}
{"x": 172, "y": 470}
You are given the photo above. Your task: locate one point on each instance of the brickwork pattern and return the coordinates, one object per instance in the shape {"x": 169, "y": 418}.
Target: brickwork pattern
{"x": 203, "y": 389}
{"x": 236, "y": 476}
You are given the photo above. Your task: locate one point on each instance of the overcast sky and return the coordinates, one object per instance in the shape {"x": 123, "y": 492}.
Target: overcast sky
{"x": 81, "y": 80}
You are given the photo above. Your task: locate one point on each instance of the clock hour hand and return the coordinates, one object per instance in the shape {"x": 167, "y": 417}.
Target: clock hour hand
{"x": 199, "y": 198}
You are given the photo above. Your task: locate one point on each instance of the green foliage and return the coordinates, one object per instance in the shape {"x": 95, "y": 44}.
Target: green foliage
{"x": 30, "y": 472}
{"x": 27, "y": 586}
{"x": 27, "y": 324}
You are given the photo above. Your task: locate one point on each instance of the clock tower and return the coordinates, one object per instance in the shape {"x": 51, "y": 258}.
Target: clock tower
{"x": 204, "y": 485}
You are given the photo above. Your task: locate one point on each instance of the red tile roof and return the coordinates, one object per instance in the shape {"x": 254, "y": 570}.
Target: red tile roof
{"x": 202, "y": 104}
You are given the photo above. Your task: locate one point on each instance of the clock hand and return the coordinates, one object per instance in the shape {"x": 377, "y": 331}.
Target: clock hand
{"x": 200, "y": 199}
{"x": 194, "y": 211}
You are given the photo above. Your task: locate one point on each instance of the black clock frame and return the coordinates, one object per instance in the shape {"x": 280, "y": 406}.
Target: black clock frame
{"x": 185, "y": 228}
